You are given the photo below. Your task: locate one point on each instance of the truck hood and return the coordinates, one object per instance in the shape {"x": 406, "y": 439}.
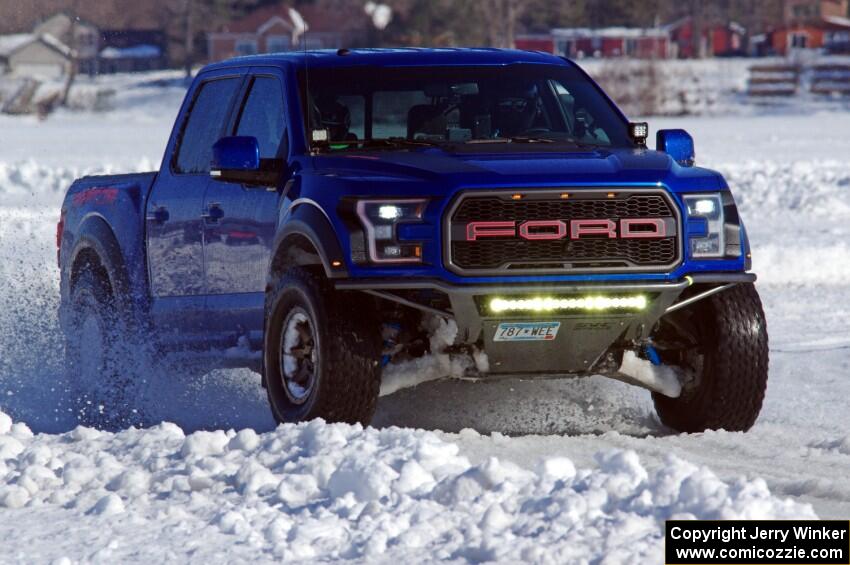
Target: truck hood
{"x": 591, "y": 167}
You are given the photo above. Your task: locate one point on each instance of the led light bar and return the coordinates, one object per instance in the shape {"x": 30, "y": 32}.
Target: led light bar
{"x": 552, "y": 304}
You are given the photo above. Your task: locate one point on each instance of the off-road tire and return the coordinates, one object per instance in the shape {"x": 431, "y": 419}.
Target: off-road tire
{"x": 103, "y": 369}
{"x": 730, "y": 388}
{"x": 348, "y": 378}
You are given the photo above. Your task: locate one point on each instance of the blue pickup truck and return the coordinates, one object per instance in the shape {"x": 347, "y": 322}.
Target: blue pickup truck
{"x": 313, "y": 210}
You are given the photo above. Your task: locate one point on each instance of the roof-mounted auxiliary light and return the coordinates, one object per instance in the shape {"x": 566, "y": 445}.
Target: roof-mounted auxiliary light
{"x": 639, "y": 131}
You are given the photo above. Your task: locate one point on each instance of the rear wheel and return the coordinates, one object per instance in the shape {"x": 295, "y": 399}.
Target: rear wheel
{"x": 321, "y": 352}
{"x": 721, "y": 346}
{"x": 102, "y": 367}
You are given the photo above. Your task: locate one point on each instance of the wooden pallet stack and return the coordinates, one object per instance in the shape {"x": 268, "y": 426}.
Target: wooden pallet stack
{"x": 773, "y": 80}
{"x": 831, "y": 79}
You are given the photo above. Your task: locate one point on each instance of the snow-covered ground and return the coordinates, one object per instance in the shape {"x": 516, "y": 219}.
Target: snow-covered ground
{"x": 557, "y": 471}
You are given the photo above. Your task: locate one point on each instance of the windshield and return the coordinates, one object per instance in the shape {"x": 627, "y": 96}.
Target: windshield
{"x": 352, "y": 108}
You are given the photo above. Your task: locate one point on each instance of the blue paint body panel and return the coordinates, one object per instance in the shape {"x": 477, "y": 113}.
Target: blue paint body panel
{"x": 196, "y": 251}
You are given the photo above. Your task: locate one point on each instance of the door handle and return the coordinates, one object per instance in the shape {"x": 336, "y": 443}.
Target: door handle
{"x": 213, "y": 213}
{"x": 158, "y": 216}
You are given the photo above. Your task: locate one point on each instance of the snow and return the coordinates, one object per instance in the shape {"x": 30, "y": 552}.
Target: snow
{"x": 437, "y": 365}
{"x": 660, "y": 378}
{"x": 9, "y": 43}
{"x": 317, "y": 491}
{"x": 557, "y": 471}
{"x": 135, "y": 52}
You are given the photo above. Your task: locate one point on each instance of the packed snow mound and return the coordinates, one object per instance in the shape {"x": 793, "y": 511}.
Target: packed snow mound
{"x": 316, "y": 491}
{"x": 810, "y": 187}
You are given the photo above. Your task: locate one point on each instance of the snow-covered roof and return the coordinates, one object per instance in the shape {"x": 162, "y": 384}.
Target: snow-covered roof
{"x": 56, "y": 44}
{"x": 837, "y": 20}
{"x": 609, "y": 32}
{"x": 134, "y": 52}
{"x": 9, "y": 43}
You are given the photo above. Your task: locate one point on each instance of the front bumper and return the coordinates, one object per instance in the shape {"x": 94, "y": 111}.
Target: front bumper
{"x": 583, "y": 338}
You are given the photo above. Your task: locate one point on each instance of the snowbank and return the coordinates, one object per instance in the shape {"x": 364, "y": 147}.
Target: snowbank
{"x": 811, "y": 187}
{"x": 318, "y": 491}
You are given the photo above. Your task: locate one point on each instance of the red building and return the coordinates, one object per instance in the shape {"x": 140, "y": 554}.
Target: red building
{"x": 603, "y": 42}
{"x": 675, "y": 40}
{"x": 811, "y": 24}
{"x": 536, "y": 42}
{"x": 276, "y": 28}
{"x": 716, "y": 40}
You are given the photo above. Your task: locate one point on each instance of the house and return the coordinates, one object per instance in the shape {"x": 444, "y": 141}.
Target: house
{"x": 132, "y": 50}
{"x": 811, "y": 24}
{"x": 278, "y": 28}
{"x": 641, "y": 43}
{"x": 717, "y": 40}
{"x": 28, "y": 54}
{"x": 78, "y": 36}
{"x": 672, "y": 41}
{"x": 53, "y": 47}
{"x": 60, "y": 41}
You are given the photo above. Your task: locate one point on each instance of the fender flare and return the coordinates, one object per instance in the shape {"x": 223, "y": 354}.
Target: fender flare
{"x": 305, "y": 219}
{"x": 96, "y": 235}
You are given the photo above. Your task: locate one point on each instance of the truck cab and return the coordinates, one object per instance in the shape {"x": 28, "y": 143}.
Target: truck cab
{"x": 312, "y": 209}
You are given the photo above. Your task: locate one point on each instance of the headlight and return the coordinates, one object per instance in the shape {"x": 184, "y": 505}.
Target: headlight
{"x": 709, "y": 207}
{"x": 380, "y": 219}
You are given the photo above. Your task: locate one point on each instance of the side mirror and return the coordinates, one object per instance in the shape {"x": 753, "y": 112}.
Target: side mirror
{"x": 678, "y": 144}
{"x": 237, "y": 159}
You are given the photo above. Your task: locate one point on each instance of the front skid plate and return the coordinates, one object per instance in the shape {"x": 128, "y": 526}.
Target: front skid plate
{"x": 579, "y": 342}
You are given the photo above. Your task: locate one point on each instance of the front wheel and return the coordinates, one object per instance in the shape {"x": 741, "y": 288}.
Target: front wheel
{"x": 724, "y": 359}
{"x": 321, "y": 353}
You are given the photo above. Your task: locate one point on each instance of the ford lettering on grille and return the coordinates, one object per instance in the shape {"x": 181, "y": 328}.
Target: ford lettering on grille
{"x": 546, "y": 232}
{"x": 630, "y": 228}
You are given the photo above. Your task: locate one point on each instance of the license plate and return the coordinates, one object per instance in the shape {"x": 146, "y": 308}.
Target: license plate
{"x": 527, "y": 331}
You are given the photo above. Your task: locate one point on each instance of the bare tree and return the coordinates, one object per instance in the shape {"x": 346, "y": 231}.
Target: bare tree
{"x": 179, "y": 21}
{"x": 186, "y": 20}
{"x": 501, "y": 18}
{"x": 73, "y": 53}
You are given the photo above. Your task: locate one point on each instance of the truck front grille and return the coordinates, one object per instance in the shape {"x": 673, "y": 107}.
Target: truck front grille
{"x": 498, "y": 248}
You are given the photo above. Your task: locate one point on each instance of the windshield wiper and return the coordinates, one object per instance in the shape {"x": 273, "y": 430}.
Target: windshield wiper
{"x": 517, "y": 139}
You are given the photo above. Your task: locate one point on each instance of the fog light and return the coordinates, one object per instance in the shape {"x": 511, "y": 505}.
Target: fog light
{"x": 552, "y": 304}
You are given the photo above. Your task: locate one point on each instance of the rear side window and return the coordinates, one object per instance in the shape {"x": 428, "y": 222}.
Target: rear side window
{"x": 262, "y": 117}
{"x": 204, "y": 126}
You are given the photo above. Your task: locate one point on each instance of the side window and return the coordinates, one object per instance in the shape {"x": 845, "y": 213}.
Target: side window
{"x": 204, "y": 126}
{"x": 262, "y": 116}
